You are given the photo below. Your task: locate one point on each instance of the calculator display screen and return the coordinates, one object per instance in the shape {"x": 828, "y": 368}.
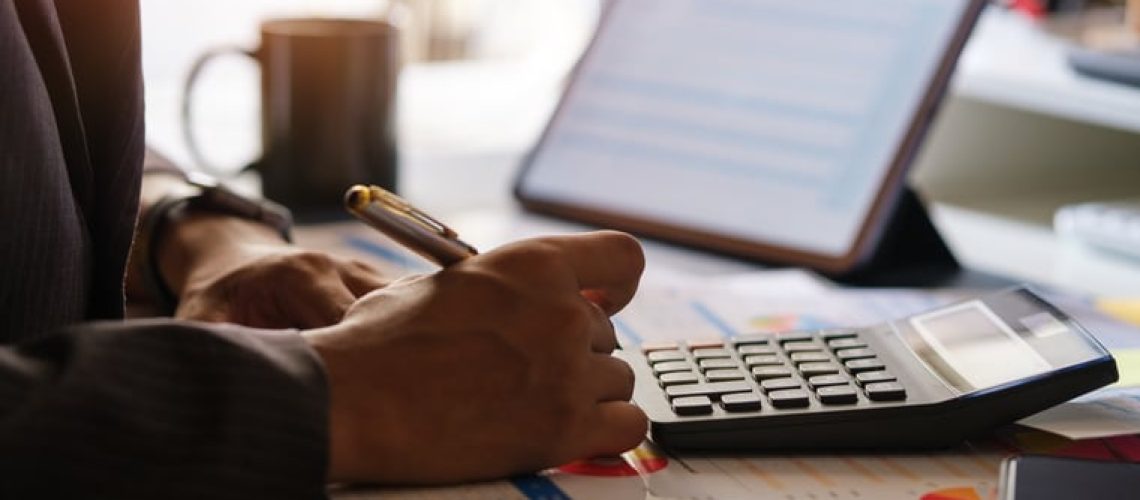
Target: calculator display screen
{"x": 985, "y": 343}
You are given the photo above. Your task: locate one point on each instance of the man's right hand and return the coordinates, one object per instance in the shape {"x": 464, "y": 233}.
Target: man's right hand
{"x": 495, "y": 366}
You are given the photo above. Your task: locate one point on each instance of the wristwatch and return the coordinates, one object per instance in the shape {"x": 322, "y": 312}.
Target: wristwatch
{"x": 212, "y": 196}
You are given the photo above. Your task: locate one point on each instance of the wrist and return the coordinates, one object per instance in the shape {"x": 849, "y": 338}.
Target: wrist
{"x": 345, "y": 454}
{"x": 198, "y": 243}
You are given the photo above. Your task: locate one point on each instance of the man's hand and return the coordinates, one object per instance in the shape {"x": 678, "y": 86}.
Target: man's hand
{"x": 495, "y": 366}
{"x": 275, "y": 286}
{"x": 226, "y": 269}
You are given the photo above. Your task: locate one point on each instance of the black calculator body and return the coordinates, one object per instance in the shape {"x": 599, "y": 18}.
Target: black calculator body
{"x": 926, "y": 381}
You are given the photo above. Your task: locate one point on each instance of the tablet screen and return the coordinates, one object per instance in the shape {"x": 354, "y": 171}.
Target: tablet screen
{"x": 771, "y": 121}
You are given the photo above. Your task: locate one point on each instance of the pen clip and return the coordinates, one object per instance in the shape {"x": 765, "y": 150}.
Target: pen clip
{"x": 397, "y": 205}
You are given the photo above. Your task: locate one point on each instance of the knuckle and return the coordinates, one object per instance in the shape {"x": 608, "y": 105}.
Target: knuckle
{"x": 628, "y": 380}
{"x": 625, "y": 247}
{"x": 535, "y": 254}
{"x": 490, "y": 289}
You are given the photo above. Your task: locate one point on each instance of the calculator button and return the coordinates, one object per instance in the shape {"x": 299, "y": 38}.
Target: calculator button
{"x": 826, "y": 380}
{"x": 864, "y": 365}
{"x": 716, "y": 364}
{"x": 809, "y": 357}
{"x": 752, "y": 339}
{"x": 709, "y": 389}
{"x": 658, "y": 346}
{"x": 671, "y": 366}
{"x": 785, "y": 338}
{"x": 659, "y": 356}
{"x": 763, "y": 360}
{"x": 778, "y": 384}
{"x": 748, "y": 350}
{"x": 761, "y": 373}
{"x": 860, "y": 353}
{"x": 872, "y": 377}
{"x": 723, "y": 375}
{"x": 838, "y": 334}
{"x": 790, "y": 398}
{"x": 846, "y": 343}
{"x": 748, "y": 401}
{"x": 885, "y": 391}
{"x": 837, "y": 395}
{"x": 801, "y": 346}
{"x": 704, "y": 343}
{"x": 812, "y": 369}
{"x": 694, "y": 405}
{"x": 710, "y": 353}
{"x": 678, "y": 378}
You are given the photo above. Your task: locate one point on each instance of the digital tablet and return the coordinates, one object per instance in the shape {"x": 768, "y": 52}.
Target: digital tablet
{"x": 774, "y": 130}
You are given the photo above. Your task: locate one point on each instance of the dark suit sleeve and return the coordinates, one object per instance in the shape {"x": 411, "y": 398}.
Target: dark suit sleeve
{"x": 162, "y": 409}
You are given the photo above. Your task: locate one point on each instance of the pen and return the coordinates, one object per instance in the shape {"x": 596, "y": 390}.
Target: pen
{"x": 407, "y": 225}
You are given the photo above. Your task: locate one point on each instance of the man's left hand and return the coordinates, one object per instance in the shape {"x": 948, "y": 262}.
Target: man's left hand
{"x": 275, "y": 286}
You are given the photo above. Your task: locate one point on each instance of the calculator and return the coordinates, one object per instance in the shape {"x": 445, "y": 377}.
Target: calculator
{"x": 930, "y": 380}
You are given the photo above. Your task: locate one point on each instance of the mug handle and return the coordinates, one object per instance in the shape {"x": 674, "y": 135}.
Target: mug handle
{"x": 195, "y": 150}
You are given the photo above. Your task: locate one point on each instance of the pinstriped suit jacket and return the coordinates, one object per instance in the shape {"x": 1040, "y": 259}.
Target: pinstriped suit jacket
{"x": 119, "y": 409}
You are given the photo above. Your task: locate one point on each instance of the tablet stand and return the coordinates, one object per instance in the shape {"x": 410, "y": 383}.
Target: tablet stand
{"x": 911, "y": 252}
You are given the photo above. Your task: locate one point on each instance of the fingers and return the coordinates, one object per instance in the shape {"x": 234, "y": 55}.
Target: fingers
{"x": 617, "y": 427}
{"x": 603, "y": 338}
{"x": 360, "y": 278}
{"x": 613, "y": 377}
{"x": 607, "y": 265}
{"x": 324, "y": 307}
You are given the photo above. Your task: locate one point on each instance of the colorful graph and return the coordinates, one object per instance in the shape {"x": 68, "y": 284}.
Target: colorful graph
{"x": 640, "y": 460}
{"x": 965, "y": 493}
{"x": 785, "y": 322}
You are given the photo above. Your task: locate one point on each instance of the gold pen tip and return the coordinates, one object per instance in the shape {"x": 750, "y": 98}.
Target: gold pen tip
{"x": 357, "y": 197}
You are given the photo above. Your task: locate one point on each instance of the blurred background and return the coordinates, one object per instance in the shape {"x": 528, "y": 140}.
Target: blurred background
{"x": 466, "y": 63}
{"x": 1021, "y": 133}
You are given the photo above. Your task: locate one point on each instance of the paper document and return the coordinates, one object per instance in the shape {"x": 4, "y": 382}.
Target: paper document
{"x": 1114, "y": 412}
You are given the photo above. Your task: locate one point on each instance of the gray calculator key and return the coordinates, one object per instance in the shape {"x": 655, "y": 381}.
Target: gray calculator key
{"x": 752, "y": 339}
{"x": 826, "y": 380}
{"x": 837, "y": 395}
{"x": 708, "y": 389}
{"x": 748, "y": 401}
{"x": 779, "y": 384}
{"x": 710, "y": 353}
{"x": 694, "y": 405}
{"x": 885, "y": 391}
{"x": 863, "y": 365}
{"x": 649, "y": 347}
{"x": 748, "y": 350}
{"x": 838, "y": 334}
{"x": 790, "y": 398}
{"x": 801, "y": 346}
{"x": 671, "y": 366}
{"x": 659, "y": 356}
{"x": 716, "y": 364}
{"x": 695, "y": 344}
{"x": 872, "y": 377}
{"x": 847, "y": 343}
{"x": 723, "y": 375}
{"x": 813, "y": 369}
{"x": 809, "y": 357}
{"x": 763, "y": 360}
{"x": 678, "y": 378}
{"x": 761, "y": 373}
{"x": 858, "y": 353}
{"x": 785, "y": 338}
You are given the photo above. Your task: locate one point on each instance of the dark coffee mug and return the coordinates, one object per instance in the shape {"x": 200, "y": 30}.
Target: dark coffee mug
{"x": 328, "y": 95}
